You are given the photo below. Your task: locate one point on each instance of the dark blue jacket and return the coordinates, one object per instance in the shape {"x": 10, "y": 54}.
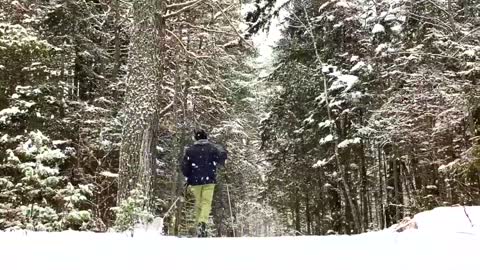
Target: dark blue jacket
{"x": 200, "y": 162}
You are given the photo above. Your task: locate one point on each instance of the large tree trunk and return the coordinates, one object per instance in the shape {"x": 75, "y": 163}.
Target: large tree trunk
{"x": 141, "y": 109}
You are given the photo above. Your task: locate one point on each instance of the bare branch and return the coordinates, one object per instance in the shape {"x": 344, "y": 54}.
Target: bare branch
{"x": 173, "y": 14}
{"x": 166, "y": 109}
{"x": 423, "y": 54}
{"x": 185, "y": 47}
{"x": 465, "y": 37}
{"x": 466, "y": 214}
{"x": 232, "y": 25}
{"x": 208, "y": 29}
{"x": 181, "y": 5}
{"x": 449, "y": 15}
{"x": 220, "y": 12}
{"x": 431, "y": 21}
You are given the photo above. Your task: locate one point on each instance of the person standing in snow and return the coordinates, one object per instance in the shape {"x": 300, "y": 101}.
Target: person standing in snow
{"x": 199, "y": 166}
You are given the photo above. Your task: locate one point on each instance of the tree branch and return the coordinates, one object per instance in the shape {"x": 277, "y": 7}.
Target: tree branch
{"x": 208, "y": 29}
{"x": 466, "y": 214}
{"x": 431, "y": 21}
{"x": 464, "y": 37}
{"x": 165, "y": 110}
{"x": 184, "y": 47}
{"x": 185, "y": 8}
{"x": 224, "y": 10}
{"x": 232, "y": 25}
{"x": 449, "y": 15}
{"x": 181, "y": 5}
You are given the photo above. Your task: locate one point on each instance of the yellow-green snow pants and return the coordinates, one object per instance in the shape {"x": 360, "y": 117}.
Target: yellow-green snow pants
{"x": 203, "y": 201}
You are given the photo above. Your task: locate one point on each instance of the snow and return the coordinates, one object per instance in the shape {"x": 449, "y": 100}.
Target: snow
{"x": 444, "y": 240}
{"x": 381, "y": 48}
{"x": 322, "y": 7}
{"x": 45, "y": 170}
{"x": 354, "y": 58}
{"x": 445, "y": 168}
{"x": 320, "y": 163}
{"x": 397, "y": 28}
{"x": 378, "y": 28}
{"x": 347, "y": 142}
{"x": 4, "y": 138}
{"x": 5, "y": 114}
{"x": 337, "y": 25}
{"x": 109, "y": 174}
{"x": 326, "y": 123}
{"x": 390, "y": 17}
{"x": 358, "y": 66}
{"x": 50, "y": 154}
{"x": 28, "y": 148}
{"x": 336, "y": 103}
{"x": 450, "y": 220}
{"x": 328, "y": 68}
{"x": 342, "y": 4}
{"x": 347, "y": 81}
{"x": 470, "y": 53}
{"x": 12, "y": 157}
{"x": 79, "y": 216}
{"x": 328, "y": 138}
{"x": 59, "y": 142}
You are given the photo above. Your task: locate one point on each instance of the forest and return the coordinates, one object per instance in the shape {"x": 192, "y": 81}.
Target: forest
{"x": 362, "y": 113}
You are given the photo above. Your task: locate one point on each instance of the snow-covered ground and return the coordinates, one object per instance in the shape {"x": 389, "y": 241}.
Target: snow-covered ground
{"x": 445, "y": 239}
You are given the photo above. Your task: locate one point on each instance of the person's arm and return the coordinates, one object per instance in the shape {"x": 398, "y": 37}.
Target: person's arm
{"x": 186, "y": 165}
{"x": 221, "y": 154}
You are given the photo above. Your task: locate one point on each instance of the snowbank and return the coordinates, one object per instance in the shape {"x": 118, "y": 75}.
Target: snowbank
{"x": 450, "y": 219}
{"x": 444, "y": 219}
{"x": 412, "y": 249}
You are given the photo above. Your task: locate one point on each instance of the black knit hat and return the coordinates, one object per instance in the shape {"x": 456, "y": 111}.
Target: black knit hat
{"x": 200, "y": 134}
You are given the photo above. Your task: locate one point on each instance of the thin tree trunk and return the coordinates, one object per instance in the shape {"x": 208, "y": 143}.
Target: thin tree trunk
{"x": 308, "y": 213}
{"x": 386, "y": 201}
{"x": 380, "y": 200}
{"x": 364, "y": 189}
{"x": 116, "y": 57}
{"x": 397, "y": 185}
{"x": 348, "y": 194}
{"x": 298, "y": 224}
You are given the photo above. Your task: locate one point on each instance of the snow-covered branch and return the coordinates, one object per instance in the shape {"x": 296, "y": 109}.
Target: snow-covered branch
{"x": 188, "y": 6}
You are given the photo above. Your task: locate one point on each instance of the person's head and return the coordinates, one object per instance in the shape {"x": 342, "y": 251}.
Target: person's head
{"x": 200, "y": 134}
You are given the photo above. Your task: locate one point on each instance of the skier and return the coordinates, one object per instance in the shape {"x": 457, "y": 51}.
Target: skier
{"x": 199, "y": 166}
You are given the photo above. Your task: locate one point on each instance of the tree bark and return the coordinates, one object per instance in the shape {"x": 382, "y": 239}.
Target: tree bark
{"x": 141, "y": 109}
{"x": 117, "y": 54}
{"x": 364, "y": 189}
{"x": 308, "y": 213}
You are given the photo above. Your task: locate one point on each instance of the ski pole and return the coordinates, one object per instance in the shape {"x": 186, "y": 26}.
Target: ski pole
{"x": 230, "y": 206}
{"x": 175, "y": 202}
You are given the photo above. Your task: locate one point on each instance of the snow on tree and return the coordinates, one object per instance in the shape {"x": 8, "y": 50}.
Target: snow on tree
{"x": 34, "y": 195}
{"x": 398, "y": 82}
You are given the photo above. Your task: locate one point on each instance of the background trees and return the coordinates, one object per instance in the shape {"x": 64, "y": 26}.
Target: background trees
{"x": 379, "y": 120}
